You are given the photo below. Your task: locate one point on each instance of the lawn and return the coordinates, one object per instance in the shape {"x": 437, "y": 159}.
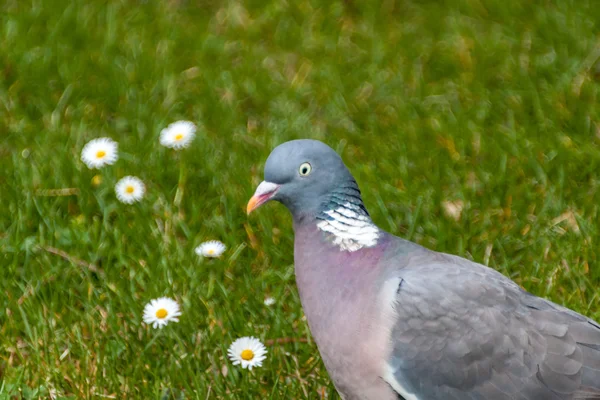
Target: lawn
{"x": 473, "y": 128}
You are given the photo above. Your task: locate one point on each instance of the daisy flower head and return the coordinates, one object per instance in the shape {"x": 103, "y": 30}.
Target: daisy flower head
{"x": 269, "y": 301}
{"x": 130, "y": 189}
{"x": 159, "y": 312}
{"x": 100, "y": 152}
{"x": 212, "y": 248}
{"x": 247, "y": 351}
{"x": 178, "y": 135}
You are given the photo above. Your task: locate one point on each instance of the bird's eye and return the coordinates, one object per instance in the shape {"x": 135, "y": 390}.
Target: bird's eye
{"x": 305, "y": 169}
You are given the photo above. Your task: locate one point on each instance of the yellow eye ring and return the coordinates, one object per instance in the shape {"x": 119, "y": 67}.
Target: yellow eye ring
{"x": 304, "y": 169}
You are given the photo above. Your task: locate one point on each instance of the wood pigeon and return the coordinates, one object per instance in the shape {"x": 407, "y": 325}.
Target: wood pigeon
{"x": 393, "y": 320}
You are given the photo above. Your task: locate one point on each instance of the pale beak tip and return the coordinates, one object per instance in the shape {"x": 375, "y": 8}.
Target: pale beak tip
{"x": 251, "y": 206}
{"x": 264, "y": 192}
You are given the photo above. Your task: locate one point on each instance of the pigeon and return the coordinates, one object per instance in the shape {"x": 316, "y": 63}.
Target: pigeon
{"x": 393, "y": 320}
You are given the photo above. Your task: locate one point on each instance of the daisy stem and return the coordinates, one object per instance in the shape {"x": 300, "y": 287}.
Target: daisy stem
{"x": 180, "y": 188}
{"x": 154, "y": 339}
{"x": 180, "y": 341}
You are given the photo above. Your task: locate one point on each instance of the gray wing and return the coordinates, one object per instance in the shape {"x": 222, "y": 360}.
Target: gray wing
{"x": 465, "y": 331}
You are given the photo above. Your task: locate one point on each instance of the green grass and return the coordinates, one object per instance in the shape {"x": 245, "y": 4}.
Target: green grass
{"x": 492, "y": 105}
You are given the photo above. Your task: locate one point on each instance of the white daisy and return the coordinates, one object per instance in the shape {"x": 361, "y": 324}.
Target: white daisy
{"x": 100, "y": 152}
{"x": 178, "y": 135}
{"x": 130, "y": 189}
{"x": 247, "y": 351}
{"x": 269, "y": 301}
{"x": 212, "y": 248}
{"x": 159, "y": 312}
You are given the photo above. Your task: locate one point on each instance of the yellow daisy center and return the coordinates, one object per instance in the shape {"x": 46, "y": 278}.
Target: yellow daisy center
{"x": 100, "y": 153}
{"x": 161, "y": 313}
{"x": 130, "y": 189}
{"x": 179, "y": 136}
{"x": 211, "y": 251}
{"x": 247, "y": 355}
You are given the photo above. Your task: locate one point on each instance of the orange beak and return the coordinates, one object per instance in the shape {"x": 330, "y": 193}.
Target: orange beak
{"x": 264, "y": 192}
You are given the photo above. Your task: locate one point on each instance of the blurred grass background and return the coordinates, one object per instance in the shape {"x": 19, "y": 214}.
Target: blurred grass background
{"x": 472, "y": 126}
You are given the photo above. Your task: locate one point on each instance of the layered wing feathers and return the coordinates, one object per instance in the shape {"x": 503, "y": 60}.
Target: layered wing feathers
{"x": 465, "y": 331}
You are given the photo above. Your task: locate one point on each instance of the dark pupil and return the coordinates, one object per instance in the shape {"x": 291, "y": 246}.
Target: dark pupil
{"x": 304, "y": 170}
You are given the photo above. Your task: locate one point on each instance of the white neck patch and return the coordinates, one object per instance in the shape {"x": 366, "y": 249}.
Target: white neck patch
{"x": 351, "y": 229}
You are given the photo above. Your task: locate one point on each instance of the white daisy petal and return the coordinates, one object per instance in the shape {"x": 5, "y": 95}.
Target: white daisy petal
{"x": 212, "y": 248}
{"x": 100, "y": 152}
{"x": 178, "y": 135}
{"x": 130, "y": 189}
{"x": 248, "y": 352}
{"x": 159, "y": 312}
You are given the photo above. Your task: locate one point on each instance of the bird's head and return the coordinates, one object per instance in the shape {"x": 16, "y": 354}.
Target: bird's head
{"x": 301, "y": 174}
